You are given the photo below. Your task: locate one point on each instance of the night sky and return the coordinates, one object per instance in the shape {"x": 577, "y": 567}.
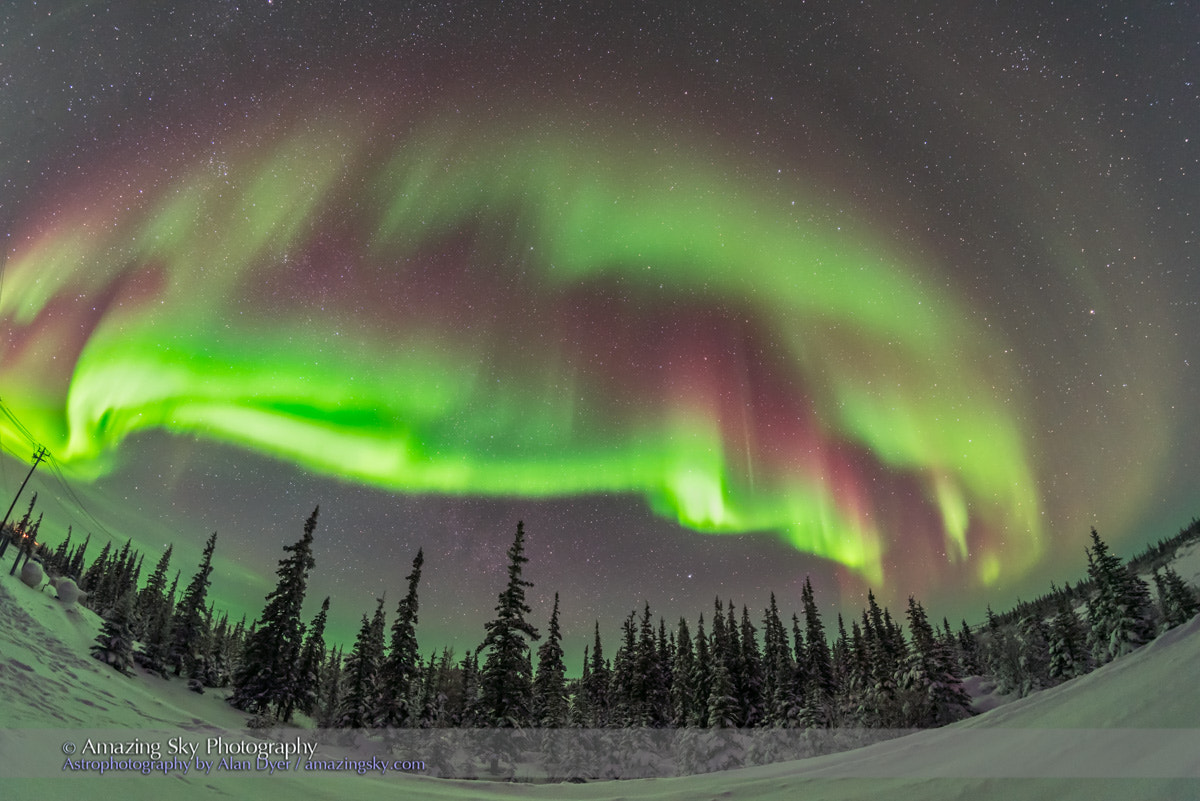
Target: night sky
{"x": 713, "y": 298}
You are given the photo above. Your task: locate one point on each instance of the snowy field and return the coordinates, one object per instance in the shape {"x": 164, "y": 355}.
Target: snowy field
{"x": 1130, "y": 730}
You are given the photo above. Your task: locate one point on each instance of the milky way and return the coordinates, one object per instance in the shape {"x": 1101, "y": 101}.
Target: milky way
{"x": 845, "y": 309}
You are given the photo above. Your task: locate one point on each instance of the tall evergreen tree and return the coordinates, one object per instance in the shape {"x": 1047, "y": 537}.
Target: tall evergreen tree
{"x": 91, "y": 579}
{"x": 331, "y": 690}
{"x": 1119, "y": 610}
{"x": 930, "y": 690}
{"x": 683, "y": 687}
{"x": 777, "y": 665}
{"x": 622, "y": 693}
{"x": 1177, "y": 603}
{"x": 651, "y": 694}
{"x": 360, "y": 698}
{"x": 308, "y": 669}
{"x": 1067, "y": 648}
{"x": 968, "y": 651}
{"x": 400, "y": 668}
{"x": 750, "y": 675}
{"x": 152, "y": 597}
{"x": 505, "y": 680}
{"x": 702, "y": 681}
{"x": 549, "y": 686}
{"x": 595, "y": 686}
{"x": 60, "y": 562}
{"x": 267, "y": 679}
{"x": 189, "y": 632}
{"x": 819, "y": 692}
{"x": 76, "y": 566}
{"x": 114, "y": 643}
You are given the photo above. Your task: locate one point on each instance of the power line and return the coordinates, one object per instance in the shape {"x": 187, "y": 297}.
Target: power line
{"x": 60, "y": 478}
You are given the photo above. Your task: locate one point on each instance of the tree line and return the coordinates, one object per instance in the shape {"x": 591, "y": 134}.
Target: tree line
{"x": 735, "y": 670}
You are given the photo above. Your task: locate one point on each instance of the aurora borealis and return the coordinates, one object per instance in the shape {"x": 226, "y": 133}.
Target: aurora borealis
{"x": 712, "y": 300}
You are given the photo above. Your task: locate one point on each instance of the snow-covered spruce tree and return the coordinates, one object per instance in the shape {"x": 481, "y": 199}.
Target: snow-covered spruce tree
{"x": 266, "y": 678}
{"x": 1119, "y": 611}
{"x": 398, "y": 673}
{"x": 857, "y": 676}
{"x": 91, "y": 578}
{"x": 549, "y": 685}
{"x": 75, "y": 566}
{"x": 1177, "y": 602}
{"x": 879, "y": 706}
{"x": 1068, "y": 652}
{"x": 152, "y": 598}
{"x": 931, "y": 691}
{"x": 595, "y": 687}
{"x": 968, "y": 651}
{"x": 776, "y": 667}
{"x": 701, "y": 678}
{"x": 723, "y": 659}
{"x": 360, "y": 696}
{"x": 152, "y": 655}
{"x": 330, "y": 699}
{"x": 683, "y": 687}
{"x": 651, "y": 693}
{"x": 505, "y": 683}
{"x": 60, "y": 561}
{"x": 308, "y": 669}
{"x": 439, "y": 686}
{"x": 467, "y": 713}
{"x": 820, "y": 690}
{"x": 189, "y": 631}
{"x": 750, "y": 675}
{"x": 723, "y": 707}
{"x": 621, "y": 692}
{"x": 114, "y": 643}
{"x": 217, "y": 662}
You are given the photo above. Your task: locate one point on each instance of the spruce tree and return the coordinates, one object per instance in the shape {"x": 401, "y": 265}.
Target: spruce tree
{"x": 1033, "y": 643}
{"x": 114, "y": 643}
{"x": 75, "y": 570}
{"x": 819, "y": 692}
{"x": 683, "y": 687}
{"x": 360, "y": 698}
{"x": 505, "y": 681}
{"x": 188, "y": 629}
{"x": 750, "y": 678}
{"x": 1177, "y": 603}
{"x": 1119, "y": 610}
{"x": 968, "y": 651}
{"x": 1067, "y": 647}
{"x": 930, "y": 690}
{"x": 595, "y": 686}
{"x": 152, "y": 598}
{"x": 91, "y": 579}
{"x": 399, "y": 670}
{"x": 267, "y": 677}
{"x": 59, "y": 563}
{"x": 330, "y": 700}
{"x": 702, "y": 678}
{"x": 308, "y": 669}
{"x": 723, "y": 706}
{"x": 549, "y": 686}
{"x": 622, "y": 694}
{"x": 777, "y": 667}
{"x": 651, "y": 694}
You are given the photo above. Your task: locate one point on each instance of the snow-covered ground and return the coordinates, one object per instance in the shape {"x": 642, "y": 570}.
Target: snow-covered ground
{"x": 1126, "y": 731}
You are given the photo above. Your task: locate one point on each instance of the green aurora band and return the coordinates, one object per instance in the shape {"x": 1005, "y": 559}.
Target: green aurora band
{"x": 285, "y": 298}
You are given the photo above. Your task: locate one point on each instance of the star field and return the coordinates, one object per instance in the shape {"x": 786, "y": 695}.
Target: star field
{"x": 713, "y": 299}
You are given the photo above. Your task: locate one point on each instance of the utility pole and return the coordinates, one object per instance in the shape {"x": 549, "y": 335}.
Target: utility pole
{"x": 37, "y": 459}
